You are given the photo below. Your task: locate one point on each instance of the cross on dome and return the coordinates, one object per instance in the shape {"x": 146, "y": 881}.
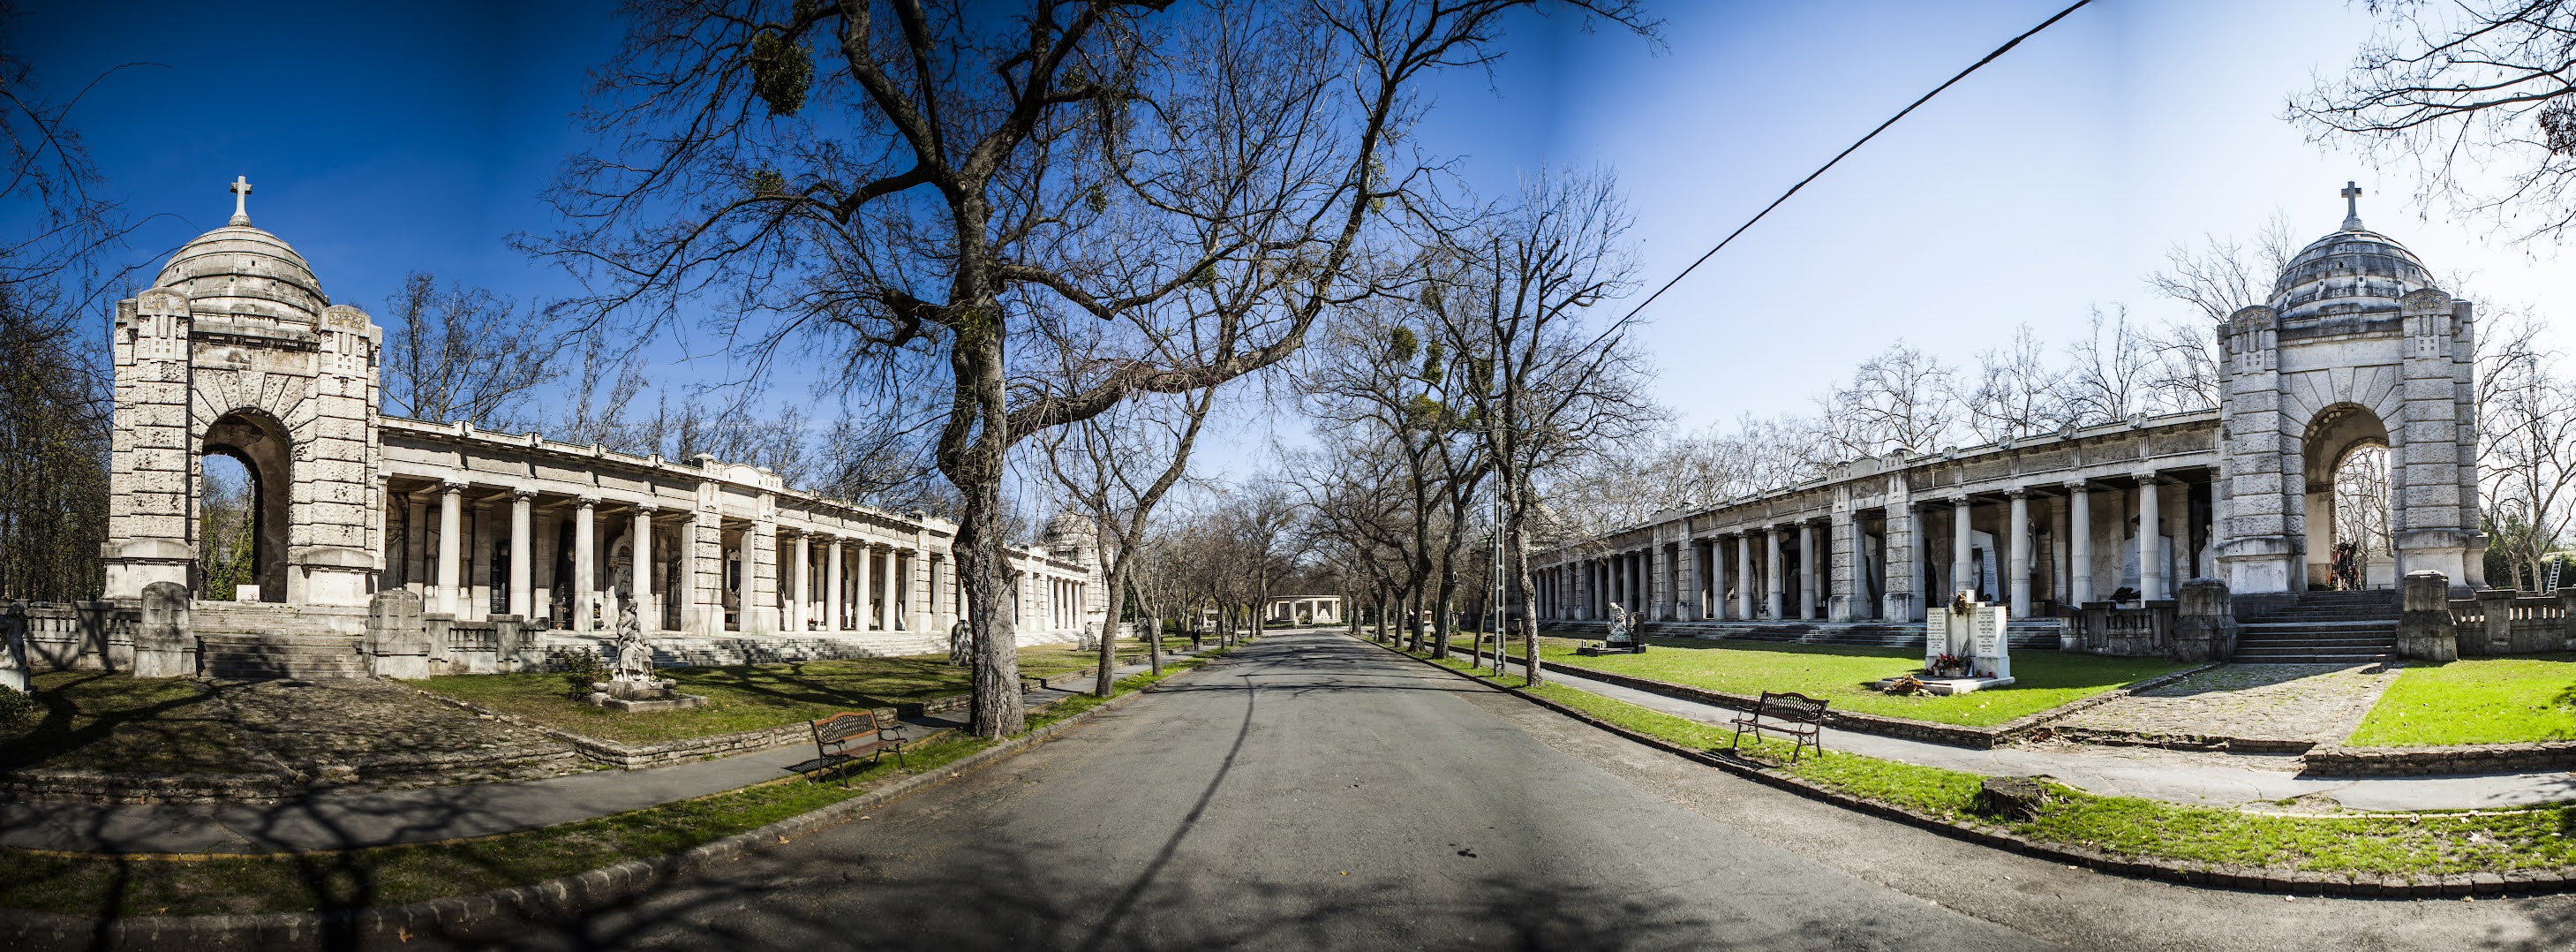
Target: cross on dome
{"x": 241, "y": 200}
{"x": 2351, "y": 206}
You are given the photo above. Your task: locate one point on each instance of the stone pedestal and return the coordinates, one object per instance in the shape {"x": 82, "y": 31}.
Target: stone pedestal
{"x": 163, "y": 645}
{"x": 2424, "y": 630}
{"x": 397, "y": 637}
{"x": 641, "y": 696}
{"x": 2496, "y": 635}
{"x": 2204, "y": 623}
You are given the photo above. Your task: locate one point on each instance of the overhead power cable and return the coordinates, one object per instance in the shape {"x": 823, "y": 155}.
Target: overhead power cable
{"x": 1829, "y": 163}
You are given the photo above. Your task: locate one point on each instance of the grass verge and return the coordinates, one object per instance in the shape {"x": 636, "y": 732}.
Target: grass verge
{"x": 110, "y": 886}
{"x": 2475, "y": 701}
{"x": 750, "y": 697}
{"x": 1843, "y": 675}
{"x": 2413, "y": 844}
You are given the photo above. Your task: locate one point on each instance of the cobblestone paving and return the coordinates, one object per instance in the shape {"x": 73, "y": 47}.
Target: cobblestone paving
{"x": 324, "y": 729}
{"x": 2285, "y": 702}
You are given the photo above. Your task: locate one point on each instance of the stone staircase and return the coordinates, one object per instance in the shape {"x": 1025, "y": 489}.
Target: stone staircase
{"x": 256, "y": 641}
{"x": 2323, "y": 628}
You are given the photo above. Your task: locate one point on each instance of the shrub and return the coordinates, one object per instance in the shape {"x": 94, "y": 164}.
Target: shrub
{"x": 18, "y": 709}
{"x": 581, "y": 669}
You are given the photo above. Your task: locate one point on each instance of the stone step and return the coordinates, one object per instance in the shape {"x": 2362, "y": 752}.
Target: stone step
{"x": 270, "y": 656}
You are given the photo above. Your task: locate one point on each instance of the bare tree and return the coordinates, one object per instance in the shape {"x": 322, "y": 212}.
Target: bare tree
{"x": 1902, "y": 398}
{"x": 1106, "y": 468}
{"x": 460, "y": 353}
{"x": 967, "y": 174}
{"x": 2526, "y": 415}
{"x": 2458, "y": 89}
{"x": 2110, "y": 366}
{"x": 1546, "y": 390}
{"x": 56, "y": 260}
{"x": 2016, "y": 393}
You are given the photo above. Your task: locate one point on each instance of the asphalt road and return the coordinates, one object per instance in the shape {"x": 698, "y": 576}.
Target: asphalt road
{"x": 1315, "y": 792}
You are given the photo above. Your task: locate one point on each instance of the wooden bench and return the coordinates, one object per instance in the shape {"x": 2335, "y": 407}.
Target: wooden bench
{"x": 849, "y": 737}
{"x": 1795, "y": 716}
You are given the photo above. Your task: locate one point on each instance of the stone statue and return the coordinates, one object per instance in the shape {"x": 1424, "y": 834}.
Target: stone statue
{"x": 634, "y": 658}
{"x": 1623, "y": 624}
{"x": 961, "y": 638}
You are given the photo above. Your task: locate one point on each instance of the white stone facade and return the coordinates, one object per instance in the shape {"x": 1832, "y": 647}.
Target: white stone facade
{"x": 2354, "y": 349}
{"x": 236, "y": 350}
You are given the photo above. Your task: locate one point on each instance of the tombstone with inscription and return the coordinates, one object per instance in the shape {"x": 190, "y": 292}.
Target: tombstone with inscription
{"x": 1972, "y": 632}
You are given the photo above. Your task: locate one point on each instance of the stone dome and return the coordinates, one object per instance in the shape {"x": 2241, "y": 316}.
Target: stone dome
{"x": 238, "y": 269}
{"x": 2354, "y": 271}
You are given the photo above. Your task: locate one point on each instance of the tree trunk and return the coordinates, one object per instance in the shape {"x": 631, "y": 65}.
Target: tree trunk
{"x": 1516, "y": 554}
{"x": 1441, "y": 622}
{"x": 972, "y": 451}
{"x": 1154, "y": 644}
{"x": 1105, "y": 681}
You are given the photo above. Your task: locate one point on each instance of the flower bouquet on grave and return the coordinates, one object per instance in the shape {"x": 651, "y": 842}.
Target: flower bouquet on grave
{"x": 1948, "y": 665}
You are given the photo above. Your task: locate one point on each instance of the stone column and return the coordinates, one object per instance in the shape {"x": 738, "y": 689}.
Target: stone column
{"x": 1659, "y": 591}
{"x": 1776, "y": 593}
{"x": 1918, "y": 557}
{"x": 1806, "y": 570}
{"x": 1717, "y": 579}
{"x": 1744, "y": 576}
{"x": 1963, "y": 565}
{"x": 2079, "y": 543}
{"x": 864, "y": 569}
{"x": 706, "y": 570}
{"x": 1902, "y": 561}
{"x": 2058, "y": 562}
{"x": 760, "y": 572}
{"x": 522, "y": 554}
{"x": 585, "y": 564}
{"x": 648, "y": 609}
{"x": 800, "y": 606}
{"x": 2151, "y": 554}
{"x": 2018, "y": 548}
{"x": 451, "y": 540}
{"x": 833, "y": 619}
{"x": 886, "y": 604}
{"x": 416, "y": 570}
{"x": 1845, "y": 570}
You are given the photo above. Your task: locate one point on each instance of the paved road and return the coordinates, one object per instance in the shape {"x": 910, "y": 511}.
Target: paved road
{"x": 1317, "y": 792}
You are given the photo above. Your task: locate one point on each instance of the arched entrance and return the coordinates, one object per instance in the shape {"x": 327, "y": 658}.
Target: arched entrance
{"x": 2348, "y": 491}
{"x": 261, "y": 446}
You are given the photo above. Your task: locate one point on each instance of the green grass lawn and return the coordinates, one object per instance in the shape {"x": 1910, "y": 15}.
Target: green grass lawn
{"x": 2475, "y": 701}
{"x": 95, "y": 885}
{"x": 1843, "y": 675}
{"x": 94, "y": 720}
{"x": 2410, "y": 844}
{"x": 750, "y": 697}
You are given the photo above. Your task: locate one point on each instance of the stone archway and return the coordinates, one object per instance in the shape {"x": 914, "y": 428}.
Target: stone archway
{"x": 2333, "y": 437}
{"x": 262, "y": 446}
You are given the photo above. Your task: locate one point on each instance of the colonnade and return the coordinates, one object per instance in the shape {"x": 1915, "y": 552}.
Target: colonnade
{"x": 1871, "y": 563}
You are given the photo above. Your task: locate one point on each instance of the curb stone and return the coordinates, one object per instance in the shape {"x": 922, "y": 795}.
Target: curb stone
{"x": 2301, "y": 882}
{"x": 562, "y": 895}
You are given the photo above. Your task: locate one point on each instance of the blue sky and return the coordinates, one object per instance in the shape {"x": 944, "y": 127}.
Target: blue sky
{"x": 384, "y": 139}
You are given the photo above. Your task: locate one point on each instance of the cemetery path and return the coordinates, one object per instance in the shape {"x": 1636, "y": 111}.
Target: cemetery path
{"x": 1318, "y": 792}
{"x": 2211, "y": 778}
{"x": 361, "y": 818}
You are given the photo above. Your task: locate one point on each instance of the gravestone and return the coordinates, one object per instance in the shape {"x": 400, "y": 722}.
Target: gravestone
{"x": 1973, "y": 631}
{"x": 163, "y": 645}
